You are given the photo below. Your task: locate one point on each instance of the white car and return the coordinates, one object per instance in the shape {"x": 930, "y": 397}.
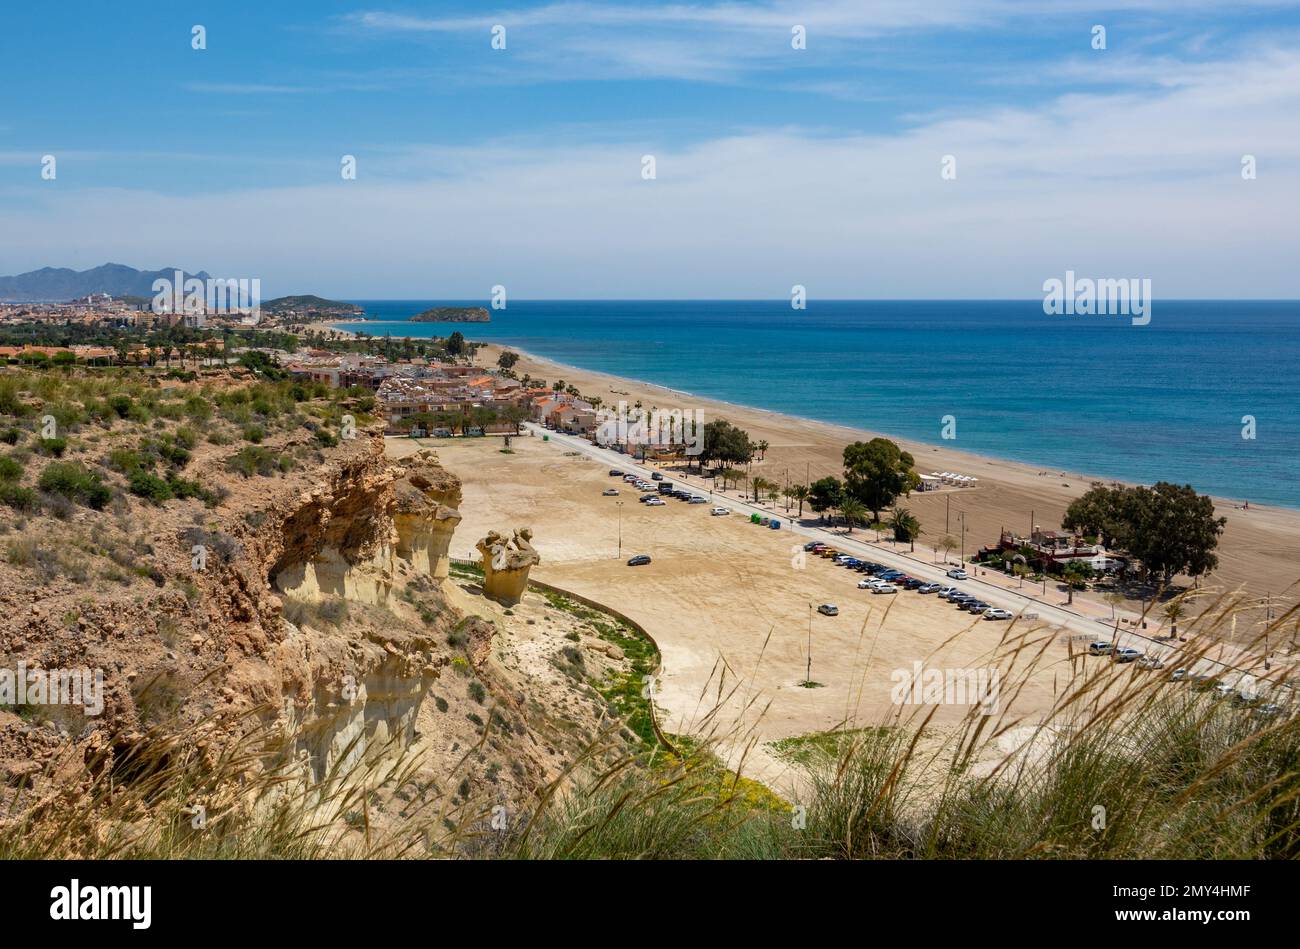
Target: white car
{"x": 610, "y": 492}
{"x": 696, "y": 499}
{"x": 884, "y": 588}
{"x": 720, "y": 511}
{"x": 947, "y": 592}
{"x": 996, "y": 613}
{"x": 867, "y": 584}
{"x": 655, "y": 502}
{"x": 958, "y": 574}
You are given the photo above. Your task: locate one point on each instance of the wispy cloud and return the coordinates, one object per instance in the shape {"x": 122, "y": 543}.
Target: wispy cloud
{"x": 1104, "y": 182}
{"x": 246, "y": 88}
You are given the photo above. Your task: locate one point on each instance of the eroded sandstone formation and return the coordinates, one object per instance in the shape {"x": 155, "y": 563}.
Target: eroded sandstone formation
{"x": 426, "y": 513}
{"x": 506, "y": 562}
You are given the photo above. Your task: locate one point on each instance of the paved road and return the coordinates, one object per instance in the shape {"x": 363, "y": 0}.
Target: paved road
{"x": 1073, "y": 623}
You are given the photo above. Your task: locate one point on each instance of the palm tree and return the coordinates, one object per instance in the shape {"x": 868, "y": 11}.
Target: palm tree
{"x": 1174, "y": 612}
{"x": 853, "y": 511}
{"x": 905, "y": 525}
{"x": 800, "y": 493}
{"x": 1076, "y": 576}
{"x": 759, "y": 483}
{"x": 762, "y": 450}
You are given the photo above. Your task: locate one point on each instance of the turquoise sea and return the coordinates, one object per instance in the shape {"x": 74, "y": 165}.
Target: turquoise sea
{"x": 1091, "y": 394}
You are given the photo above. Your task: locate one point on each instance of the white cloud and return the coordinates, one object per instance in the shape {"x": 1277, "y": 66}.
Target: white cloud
{"x": 1105, "y": 184}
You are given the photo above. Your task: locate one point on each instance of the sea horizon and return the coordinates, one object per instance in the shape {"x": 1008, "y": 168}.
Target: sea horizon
{"x": 1168, "y": 401}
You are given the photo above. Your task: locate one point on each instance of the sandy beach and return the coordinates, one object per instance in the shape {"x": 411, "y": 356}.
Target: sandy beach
{"x": 1259, "y": 551}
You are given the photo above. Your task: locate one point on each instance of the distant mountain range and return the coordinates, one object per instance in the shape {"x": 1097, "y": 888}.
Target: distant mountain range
{"x": 61, "y": 284}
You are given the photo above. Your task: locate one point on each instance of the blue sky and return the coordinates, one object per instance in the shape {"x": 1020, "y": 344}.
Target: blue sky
{"x": 774, "y": 166}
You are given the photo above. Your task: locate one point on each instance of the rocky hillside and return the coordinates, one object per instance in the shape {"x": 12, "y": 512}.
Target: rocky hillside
{"x": 246, "y": 568}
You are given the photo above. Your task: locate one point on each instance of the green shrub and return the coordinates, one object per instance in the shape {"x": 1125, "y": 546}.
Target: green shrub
{"x": 53, "y": 447}
{"x": 71, "y": 480}
{"x": 125, "y": 460}
{"x": 18, "y": 498}
{"x": 10, "y": 436}
{"x": 150, "y": 487}
{"x": 11, "y": 469}
{"x": 252, "y": 460}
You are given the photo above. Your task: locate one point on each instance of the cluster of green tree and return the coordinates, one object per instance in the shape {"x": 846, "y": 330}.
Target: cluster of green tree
{"x": 875, "y": 474}
{"x": 461, "y": 420}
{"x": 440, "y": 350}
{"x": 164, "y": 343}
{"x": 725, "y": 444}
{"x": 1169, "y": 529}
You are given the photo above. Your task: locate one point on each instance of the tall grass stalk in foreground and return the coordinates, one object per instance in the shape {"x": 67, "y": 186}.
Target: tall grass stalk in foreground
{"x": 1126, "y": 763}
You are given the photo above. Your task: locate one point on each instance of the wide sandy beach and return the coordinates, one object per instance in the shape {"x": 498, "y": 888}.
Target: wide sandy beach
{"x": 1259, "y": 551}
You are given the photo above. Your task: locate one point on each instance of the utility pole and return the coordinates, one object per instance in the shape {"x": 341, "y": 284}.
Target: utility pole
{"x": 619, "y": 505}
{"x": 807, "y": 678}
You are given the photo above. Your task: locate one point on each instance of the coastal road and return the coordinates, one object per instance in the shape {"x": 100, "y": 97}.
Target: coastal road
{"x": 1075, "y": 624}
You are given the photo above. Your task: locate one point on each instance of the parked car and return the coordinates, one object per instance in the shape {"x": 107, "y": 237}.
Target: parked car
{"x": 1127, "y": 654}
{"x": 928, "y": 588}
{"x": 811, "y": 545}
{"x": 610, "y": 492}
{"x": 666, "y": 487}
{"x": 640, "y": 560}
{"x": 958, "y": 574}
{"x": 828, "y": 609}
{"x": 656, "y": 502}
{"x": 1101, "y": 648}
{"x": 656, "y": 476}
{"x": 1150, "y": 662}
{"x": 1178, "y": 675}
{"x": 631, "y": 478}
{"x": 866, "y": 584}
{"x": 976, "y": 606}
{"x": 884, "y": 588}
{"x": 947, "y": 592}
{"x": 696, "y": 499}
{"x": 615, "y": 473}
{"x": 996, "y": 613}
{"x": 647, "y": 498}
{"x": 913, "y": 583}
{"x": 891, "y": 574}
{"x": 720, "y": 511}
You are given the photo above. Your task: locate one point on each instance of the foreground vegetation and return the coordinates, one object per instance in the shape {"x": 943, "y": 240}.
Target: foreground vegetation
{"x": 1127, "y": 764}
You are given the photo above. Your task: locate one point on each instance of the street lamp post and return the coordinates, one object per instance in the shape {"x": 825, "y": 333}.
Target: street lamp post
{"x": 807, "y": 678}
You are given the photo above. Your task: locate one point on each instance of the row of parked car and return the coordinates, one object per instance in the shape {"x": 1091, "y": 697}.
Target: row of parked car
{"x": 885, "y": 580}
{"x": 660, "y": 491}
